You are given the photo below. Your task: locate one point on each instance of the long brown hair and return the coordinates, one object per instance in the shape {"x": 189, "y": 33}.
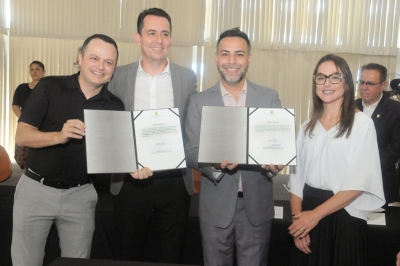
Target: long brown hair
{"x": 348, "y": 108}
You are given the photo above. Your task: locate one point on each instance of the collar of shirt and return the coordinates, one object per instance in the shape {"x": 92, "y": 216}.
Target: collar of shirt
{"x": 73, "y": 83}
{"x": 370, "y": 108}
{"x": 140, "y": 70}
{"x": 228, "y": 98}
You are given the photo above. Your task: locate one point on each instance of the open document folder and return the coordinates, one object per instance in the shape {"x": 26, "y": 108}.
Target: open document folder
{"x": 124, "y": 141}
{"x": 247, "y": 135}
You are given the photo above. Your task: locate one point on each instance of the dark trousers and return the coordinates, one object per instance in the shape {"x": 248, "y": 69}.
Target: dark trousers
{"x": 163, "y": 199}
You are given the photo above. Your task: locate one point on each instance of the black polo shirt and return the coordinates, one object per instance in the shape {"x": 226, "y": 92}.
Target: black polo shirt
{"x": 54, "y": 101}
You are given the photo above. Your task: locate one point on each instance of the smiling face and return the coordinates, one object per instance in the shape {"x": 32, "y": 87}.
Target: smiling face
{"x": 97, "y": 64}
{"x": 36, "y": 72}
{"x": 233, "y": 60}
{"x": 330, "y": 93}
{"x": 154, "y": 39}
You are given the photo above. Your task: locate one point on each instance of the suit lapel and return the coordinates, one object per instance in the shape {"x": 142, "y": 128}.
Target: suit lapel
{"x": 176, "y": 85}
{"x": 359, "y": 104}
{"x": 216, "y": 99}
{"x": 251, "y": 96}
{"x": 380, "y": 110}
{"x": 131, "y": 82}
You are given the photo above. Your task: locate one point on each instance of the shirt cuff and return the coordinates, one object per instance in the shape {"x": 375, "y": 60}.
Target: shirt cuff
{"x": 217, "y": 173}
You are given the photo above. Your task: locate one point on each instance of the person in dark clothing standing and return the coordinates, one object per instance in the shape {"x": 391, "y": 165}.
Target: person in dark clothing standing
{"x": 56, "y": 187}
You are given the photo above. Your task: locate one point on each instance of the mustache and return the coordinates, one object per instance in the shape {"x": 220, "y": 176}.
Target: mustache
{"x": 231, "y": 66}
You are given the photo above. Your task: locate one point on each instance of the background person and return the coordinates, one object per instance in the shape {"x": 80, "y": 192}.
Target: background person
{"x": 36, "y": 71}
{"x": 385, "y": 113}
{"x": 21, "y": 94}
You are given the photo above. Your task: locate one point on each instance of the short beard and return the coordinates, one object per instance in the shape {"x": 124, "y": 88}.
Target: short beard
{"x": 235, "y": 80}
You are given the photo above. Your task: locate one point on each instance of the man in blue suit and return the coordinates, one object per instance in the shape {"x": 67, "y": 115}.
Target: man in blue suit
{"x": 153, "y": 82}
{"x": 236, "y": 201}
{"x": 385, "y": 113}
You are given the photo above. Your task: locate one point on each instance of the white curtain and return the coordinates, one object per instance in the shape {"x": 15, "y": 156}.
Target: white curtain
{"x": 4, "y": 76}
{"x": 4, "y": 7}
{"x": 337, "y": 26}
{"x": 5, "y": 107}
{"x": 77, "y": 19}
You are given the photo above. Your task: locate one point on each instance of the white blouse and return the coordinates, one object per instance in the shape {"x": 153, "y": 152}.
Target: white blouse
{"x": 339, "y": 164}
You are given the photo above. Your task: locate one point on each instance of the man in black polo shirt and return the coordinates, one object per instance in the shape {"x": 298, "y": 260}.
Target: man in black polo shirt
{"x": 56, "y": 187}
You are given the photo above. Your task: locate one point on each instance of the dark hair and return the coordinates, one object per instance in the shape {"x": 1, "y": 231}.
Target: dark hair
{"x": 381, "y": 69}
{"x": 153, "y": 12}
{"x": 101, "y": 37}
{"x": 235, "y": 32}
{"x": 38, "y": 63}
{"x": 348, "y": 108}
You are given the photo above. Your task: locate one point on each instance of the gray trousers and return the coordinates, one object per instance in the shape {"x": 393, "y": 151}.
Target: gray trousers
{"x": 252, "y": 242}
{"x": 37, "y": 207}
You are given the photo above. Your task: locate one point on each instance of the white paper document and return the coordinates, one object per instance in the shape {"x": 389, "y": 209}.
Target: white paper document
{"x": 223, "y": 134}
{"x": 272, "y": 136}
{"x": 125, "y": 141}
{"x": 109, "y": 142}
{"x": 247, "y": 135}
{"x": 158, "y": 137}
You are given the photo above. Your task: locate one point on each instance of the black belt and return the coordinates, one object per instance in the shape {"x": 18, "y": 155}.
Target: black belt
{"x": 240, "y": 194}
{"x": 49, "y": 183}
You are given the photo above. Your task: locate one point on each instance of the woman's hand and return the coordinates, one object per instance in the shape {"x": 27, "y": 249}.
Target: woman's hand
{"x": 303, "y": 223}
{"x": 303, "y": 244}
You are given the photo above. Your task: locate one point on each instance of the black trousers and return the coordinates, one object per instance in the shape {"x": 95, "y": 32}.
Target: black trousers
{"x": 161, "y": 201}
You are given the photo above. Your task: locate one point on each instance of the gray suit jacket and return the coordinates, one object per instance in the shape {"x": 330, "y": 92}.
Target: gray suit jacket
{"x": 218, "y": 198}
{"x": 123, "y": 86}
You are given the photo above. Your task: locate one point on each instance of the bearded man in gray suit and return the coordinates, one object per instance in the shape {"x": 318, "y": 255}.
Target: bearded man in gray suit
{"x": 236, "y": 202}
{"x": 152, "y": 83}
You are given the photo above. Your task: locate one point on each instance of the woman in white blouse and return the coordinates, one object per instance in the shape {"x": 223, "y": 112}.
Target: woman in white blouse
{"x": 338, "y": 177}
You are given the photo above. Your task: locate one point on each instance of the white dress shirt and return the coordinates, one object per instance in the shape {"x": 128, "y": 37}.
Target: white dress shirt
{"x": 153, "y": 92}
